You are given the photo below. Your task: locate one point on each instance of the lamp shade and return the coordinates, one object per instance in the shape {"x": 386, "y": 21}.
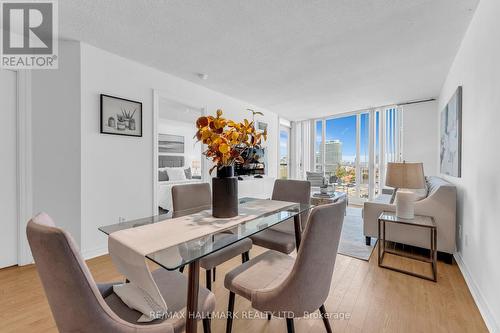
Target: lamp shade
{"x": 405, "y": 175}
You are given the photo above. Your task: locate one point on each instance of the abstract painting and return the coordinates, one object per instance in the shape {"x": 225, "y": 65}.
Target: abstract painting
{"x": 451, "y": 136}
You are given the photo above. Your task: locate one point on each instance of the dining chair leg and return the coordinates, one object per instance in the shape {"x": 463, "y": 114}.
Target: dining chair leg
{"x": 245, "y": 256}
{"x": 289, "y": 325}
{"x": 208, "y": 279}
{"x": 325, "y": 318}
{"x": 230, "y": 309}
{"x": 206, "y": 325}
{"x": 268, "y": 316}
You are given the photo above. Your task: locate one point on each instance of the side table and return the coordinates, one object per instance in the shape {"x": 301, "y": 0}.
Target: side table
{"x": 419, "y": 221}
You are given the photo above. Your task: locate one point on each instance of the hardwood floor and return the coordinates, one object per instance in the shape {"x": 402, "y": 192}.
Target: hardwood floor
{"x": 370, "y": 298}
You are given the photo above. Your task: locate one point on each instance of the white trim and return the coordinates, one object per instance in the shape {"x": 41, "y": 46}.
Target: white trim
{"x": 96, "y": 252}
{"x": 285, "y": 122}
{"x": 481, "y": 303}
{"x": 156, "y": 112}
{"x": 323, "y": 146}
{"x": 381, "y": 135}
{"x": 371, "y": 155}
{"x": 24, "y": 162}
{"x": 357, "y": 158}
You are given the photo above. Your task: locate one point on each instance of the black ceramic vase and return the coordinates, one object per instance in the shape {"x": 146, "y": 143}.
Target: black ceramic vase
{"x": 225, "y": 193}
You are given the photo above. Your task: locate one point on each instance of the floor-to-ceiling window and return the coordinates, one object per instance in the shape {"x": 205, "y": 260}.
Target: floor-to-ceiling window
{"x": 352, "y": 150}
{"x": 284, "y": 170}
{"x": 340, "y": 152}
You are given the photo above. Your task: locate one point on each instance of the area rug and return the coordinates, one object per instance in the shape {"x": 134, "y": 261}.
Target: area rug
{"x": 352, "y": 240}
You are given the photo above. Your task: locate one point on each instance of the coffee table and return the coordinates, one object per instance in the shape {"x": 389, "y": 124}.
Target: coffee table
{"x": 419, "y": 221}
{"x": 332, "y": 197}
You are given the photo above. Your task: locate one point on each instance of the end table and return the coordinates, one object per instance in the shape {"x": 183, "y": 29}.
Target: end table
{"x": 419, "y": 221}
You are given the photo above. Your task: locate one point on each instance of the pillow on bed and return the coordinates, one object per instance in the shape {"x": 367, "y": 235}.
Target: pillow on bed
{"x": 162, "y": 175}
{"x": 188, "y": 173}
{"x": 176, "y": 174}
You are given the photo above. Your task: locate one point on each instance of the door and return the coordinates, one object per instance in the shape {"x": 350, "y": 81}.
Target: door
{"x": 8, "y": 168}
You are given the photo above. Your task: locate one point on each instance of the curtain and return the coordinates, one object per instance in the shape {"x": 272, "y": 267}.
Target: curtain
{"x": 300, "y": 156}
{"x": 390, "y": 138}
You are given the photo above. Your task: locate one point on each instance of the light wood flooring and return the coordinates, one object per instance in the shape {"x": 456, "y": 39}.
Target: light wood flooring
{"x": 372, "y": 299}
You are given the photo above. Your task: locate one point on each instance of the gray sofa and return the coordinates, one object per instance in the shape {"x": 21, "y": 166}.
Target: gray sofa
{"x": 440, "y": 203}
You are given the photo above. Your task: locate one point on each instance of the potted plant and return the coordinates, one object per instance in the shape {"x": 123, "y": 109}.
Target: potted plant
{"x": 226, "y": 140}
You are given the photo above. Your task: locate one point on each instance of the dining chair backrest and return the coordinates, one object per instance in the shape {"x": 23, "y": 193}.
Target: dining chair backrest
{"x": 191, "y": 198}
{"x": 298, "y": 191}
{"x": 307, "y": 286}
{"x": 75, "y": 301}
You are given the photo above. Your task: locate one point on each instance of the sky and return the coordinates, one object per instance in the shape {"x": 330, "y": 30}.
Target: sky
{"x": 344, "y": 129}
{"x": 283, "y": 143}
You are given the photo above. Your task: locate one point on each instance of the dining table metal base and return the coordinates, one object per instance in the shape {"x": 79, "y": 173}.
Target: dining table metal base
{"x": 298, "y": 230}
{"x": 192, "y": 297}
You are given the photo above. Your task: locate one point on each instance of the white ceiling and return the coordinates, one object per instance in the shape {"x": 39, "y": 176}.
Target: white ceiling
{"x": 298, "y": 58}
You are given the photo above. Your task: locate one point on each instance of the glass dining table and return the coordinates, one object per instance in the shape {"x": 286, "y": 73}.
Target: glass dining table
{"x": 189, "y": 253}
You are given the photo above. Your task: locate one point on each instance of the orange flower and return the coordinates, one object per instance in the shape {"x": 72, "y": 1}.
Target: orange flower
{"x": 226, "y": 139}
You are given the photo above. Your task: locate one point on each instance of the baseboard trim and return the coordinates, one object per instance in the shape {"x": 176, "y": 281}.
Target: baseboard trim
{"x": 89, "y": 254}
{"x": 481, "y": 303}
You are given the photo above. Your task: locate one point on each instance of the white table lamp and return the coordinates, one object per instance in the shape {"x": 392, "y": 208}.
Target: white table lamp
{"x": 404, "y": 176}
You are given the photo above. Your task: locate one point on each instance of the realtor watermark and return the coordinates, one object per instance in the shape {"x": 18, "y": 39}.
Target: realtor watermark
{"x": 29, "y": 34}
{"x": 250, "y": 315}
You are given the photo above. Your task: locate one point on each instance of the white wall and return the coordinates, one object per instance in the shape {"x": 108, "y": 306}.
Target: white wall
{"x": 8, "y": 168}
{"x": 56, "y": 140}
{"x": 117, "y": 171}
{"x": 477, "y": 69}
{"x": 420, "y": 134}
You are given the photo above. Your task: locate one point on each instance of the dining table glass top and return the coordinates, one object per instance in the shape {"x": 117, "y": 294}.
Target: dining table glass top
{"x": 182, "y": 254}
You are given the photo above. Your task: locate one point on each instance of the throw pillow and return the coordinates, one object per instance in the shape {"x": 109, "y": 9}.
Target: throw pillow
{"x": 176, "y": 174}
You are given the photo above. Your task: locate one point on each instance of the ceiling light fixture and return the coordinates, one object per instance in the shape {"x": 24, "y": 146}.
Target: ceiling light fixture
{"x": 203, "y": 76}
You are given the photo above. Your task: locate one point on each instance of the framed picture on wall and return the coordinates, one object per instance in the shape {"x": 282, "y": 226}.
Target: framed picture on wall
{"x": 120, "y": 116}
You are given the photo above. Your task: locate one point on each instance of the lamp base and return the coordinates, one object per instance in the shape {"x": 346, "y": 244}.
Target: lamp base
{"x": 405, "y": 204}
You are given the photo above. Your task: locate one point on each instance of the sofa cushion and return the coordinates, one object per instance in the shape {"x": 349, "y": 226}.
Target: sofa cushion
{"x": 419, "y": 193}
{"x": 383, "y": 198}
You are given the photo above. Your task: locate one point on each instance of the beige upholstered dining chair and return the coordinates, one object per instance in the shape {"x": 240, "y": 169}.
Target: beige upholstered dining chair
{"x": 80, "y": 305}
{"x": 285, "y": 287}
{"x": 282, "y": 236}
{"x": 192, "y": 198}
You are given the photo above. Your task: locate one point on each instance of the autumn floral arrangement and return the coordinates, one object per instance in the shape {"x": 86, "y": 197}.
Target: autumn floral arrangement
{"x": 226, "y": 139}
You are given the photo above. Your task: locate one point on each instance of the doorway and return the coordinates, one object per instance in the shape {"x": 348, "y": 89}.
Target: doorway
{"x": 175, "y": 148}
{"x": 8, "y": 169}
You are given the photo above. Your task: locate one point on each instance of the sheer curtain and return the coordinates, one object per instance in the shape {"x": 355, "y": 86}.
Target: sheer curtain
{"x": 300, "y": 156}
{"x": 390, "y": 148}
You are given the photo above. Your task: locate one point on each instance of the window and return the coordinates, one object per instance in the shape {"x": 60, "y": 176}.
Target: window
{"x": 352, "y": 151}
{"x": 284, "y": 170}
